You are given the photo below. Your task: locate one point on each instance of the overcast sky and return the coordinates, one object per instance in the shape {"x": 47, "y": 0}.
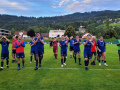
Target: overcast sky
{"x": 38, "y": 8}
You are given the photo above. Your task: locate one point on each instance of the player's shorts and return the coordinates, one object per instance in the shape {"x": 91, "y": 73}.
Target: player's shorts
{"x": 87, "y": 55}
{"x": 76, "y": 51}
{"x": 39, "y": 53}
{"x": 63, "y": 53}
{"x": 32, "y": 52}
{"x": 71, "y": 48}
{"x": 20, "y": 55}
{"x": 4, "y": 55}
{"x": 55, "y": 49}
{"x": 100, "y": 53}
{"x": 93, "y": 53}
{"x": 118, "y": 51}
{"x": 13, "y": 51}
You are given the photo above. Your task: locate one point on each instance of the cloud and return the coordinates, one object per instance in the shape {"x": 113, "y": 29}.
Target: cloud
{"x": 91, "y": 5}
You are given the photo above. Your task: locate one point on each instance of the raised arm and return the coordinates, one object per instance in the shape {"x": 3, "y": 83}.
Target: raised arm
{"x": 16, "y": 46}
{"x": 23, "y": 44}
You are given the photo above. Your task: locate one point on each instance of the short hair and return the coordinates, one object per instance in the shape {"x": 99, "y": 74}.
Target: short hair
{"x": 77, "y": 35}
{"x": 54, "y": 37}
{"x": 89, "y": 35}
{"x": 101, "y": 36}
{"x": 63, "y": 35}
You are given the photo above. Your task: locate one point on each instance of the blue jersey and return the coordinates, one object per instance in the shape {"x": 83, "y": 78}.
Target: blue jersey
{"x": 76, "y": 46}
{"x": 39, "y": 45}
{"x": 63, "y": 45}
{"x": 87, "y": 47}
{"x": 33, "y": 47}
{"x": 101, "y": 45}
{"x": 71, "y": 43}
{"x": 5, "y": 46}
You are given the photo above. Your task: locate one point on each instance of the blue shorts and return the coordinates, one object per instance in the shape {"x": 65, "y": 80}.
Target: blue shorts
{"x": 20, "y": 55}
{"x": 100, "y": 53}
{"x": 32, "y": 52}
{"x": 87, "y": 55}
{"x": 93, "y": 53}
{"x": 63, "y": 53}
{"x": 118, "y": 51}
{"x": 4, "y": 55}
{"x": 39, "y": 53}
{"x": 76, "y": 51}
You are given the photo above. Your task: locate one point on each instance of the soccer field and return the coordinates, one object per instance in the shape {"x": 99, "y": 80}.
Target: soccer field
{"x": 70, "y": 77}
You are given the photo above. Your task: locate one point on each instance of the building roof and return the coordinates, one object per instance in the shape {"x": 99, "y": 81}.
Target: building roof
{"x": 18, "y": 32}
{"x": 45, "y": 34}
{"x": 53, "y": 31}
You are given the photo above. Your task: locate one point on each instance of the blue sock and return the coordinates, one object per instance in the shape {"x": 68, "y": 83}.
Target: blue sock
{"x": 71, "y": 56}
{"x": 36, "y": 63}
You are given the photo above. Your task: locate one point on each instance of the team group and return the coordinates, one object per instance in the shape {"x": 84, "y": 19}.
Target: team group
{"x": 37, "y": 49}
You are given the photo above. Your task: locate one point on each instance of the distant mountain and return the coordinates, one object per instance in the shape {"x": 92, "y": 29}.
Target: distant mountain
{"x": 23, "y": 23}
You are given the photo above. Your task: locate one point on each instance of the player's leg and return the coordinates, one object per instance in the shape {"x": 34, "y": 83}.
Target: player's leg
{"x": 31, "y": 57}
{"x": 37, "y": 57}
{"x": 65, "y": 58}
{"x": 67, "y": 52}
{"x": 79, "y": 58}
{"x": 34, "y": 57}
{"x": 71, "y": 52}
{"x": 91, "y": 58}
{"x": 75, "y": 55}
{"x": 86, "y": 60}
{"x": 119, "y": 55}
{"x": 95, "y": 56}
{"x": 18, "y": 61}
{"x": 56, "y": 50}
{"x": 7, "y": 59}
{"x": 62, "y": 58}
{"x": 13, "y": 56}
{"x": 104, "y": 58}
{"x": 2, "y": 63}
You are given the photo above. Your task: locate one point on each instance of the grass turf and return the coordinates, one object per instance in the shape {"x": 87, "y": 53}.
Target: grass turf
{"x": 51, "y": 76}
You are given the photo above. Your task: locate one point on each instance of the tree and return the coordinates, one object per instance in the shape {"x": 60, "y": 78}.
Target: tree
{"x": 70, "y": 31}
{"x": 107, "y": 23}
{"x": 31, "y": 33}
{"x": 12, "y": 31}
{"x": 41, "y": 29}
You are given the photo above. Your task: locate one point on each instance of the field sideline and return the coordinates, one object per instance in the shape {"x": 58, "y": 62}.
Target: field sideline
{"x": 70, "y": 77}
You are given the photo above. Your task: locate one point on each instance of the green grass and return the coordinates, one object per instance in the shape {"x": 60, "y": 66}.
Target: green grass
{"x": 62, "y": 79}
{"x": 115, "y": 24}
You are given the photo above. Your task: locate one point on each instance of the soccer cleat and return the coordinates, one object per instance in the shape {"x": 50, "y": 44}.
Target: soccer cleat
{"x": 30, "y": 62}
{"x": 80, "y": 64}
{"x": 105, "y": 64}
{"x": 62, "y": 65}
{"x": 99, "y": 64}
{"x": 1, "y": 69}
{"x": 7, "y": 66}
{"x": 75, "y": 62}
{"x": 40, "y": 66}
{"x": 12, "y": 61}
{"x": 55, "y": 57}
{"x": 92, "y": 63}
{"x": 36, "y": 68}
{"x": 18, "y": 68}
{"x": 86, "y": 68}
{"x": 23, "y": 66}
{"x": 34, "y": 61}
{"x": 66, "y": 56}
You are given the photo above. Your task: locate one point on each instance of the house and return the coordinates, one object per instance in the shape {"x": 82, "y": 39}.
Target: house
{"x": 45, "y": 35}
{"x": 4, "y": 32}
{"x": 81, "y": 29}
{"x": 22, "y": 33}
{"x": 85, "y": 35}
{"x": 56, "y": 33}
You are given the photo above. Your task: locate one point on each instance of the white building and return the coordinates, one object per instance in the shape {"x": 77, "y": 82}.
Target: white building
{"x": 22, "y": 33}
{"x": 55, "y": 33}
{"x": 85, "y": 35}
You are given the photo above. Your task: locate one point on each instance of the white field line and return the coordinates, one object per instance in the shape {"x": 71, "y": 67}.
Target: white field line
{"x": 68, "y": 69}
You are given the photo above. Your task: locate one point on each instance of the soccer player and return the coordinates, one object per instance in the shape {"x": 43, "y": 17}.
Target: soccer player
{"x": 13, "y": 49}
{"x": 39, "y": 50}
{"x": 101, "y": 47}
{"x": 93, "y": 50}
{"x": 87, "y": 50}
{"x": 118, "y": 44}
{"x": 51, "y": 43}
{"x": 32, "y": 49}
{"x": 77, "y": 43}
{"x": 71, "y": 46}
{"x": 5, "y": 52}
{"x": 63, "y": 44}
{"x": 55, "y": 47}
{"x": 19, "y": 45}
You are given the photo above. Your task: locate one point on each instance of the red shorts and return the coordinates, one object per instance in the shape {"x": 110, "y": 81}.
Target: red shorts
{"x": 55, "y": 49}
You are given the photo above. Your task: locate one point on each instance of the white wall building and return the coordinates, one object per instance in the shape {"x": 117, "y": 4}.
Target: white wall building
{"x": 55, "y": 33}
